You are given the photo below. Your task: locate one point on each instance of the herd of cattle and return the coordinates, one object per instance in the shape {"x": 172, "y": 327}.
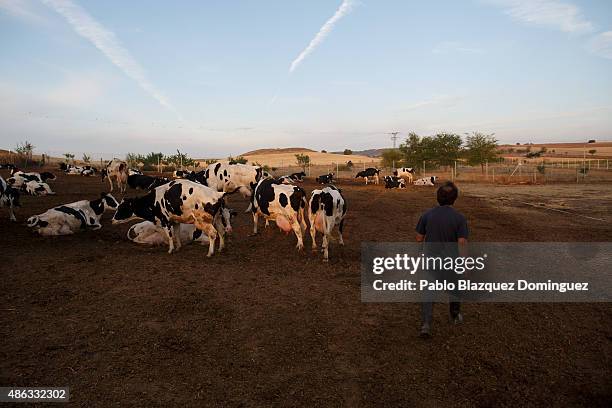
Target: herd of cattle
{"x": 192, "y": 206}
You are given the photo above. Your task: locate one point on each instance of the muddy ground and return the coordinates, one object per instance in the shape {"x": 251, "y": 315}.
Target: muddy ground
{"x": 264, "y": 325}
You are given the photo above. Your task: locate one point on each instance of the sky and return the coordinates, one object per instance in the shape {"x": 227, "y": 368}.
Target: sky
{"x": 214, "y": 78}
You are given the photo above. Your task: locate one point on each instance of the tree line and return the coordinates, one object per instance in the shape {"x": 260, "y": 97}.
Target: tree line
{"x": 443, "y": 149}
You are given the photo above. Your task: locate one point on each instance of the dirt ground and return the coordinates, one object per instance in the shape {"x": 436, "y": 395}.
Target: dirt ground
{"x": 264, "y": 325}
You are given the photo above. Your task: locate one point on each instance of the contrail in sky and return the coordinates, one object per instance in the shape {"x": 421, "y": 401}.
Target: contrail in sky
{"x": 106, "y": 41}
{"x": 343, "y": 10}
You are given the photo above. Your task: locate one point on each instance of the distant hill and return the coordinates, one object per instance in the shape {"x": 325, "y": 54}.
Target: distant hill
{"x": 367, "y": 152}
{"x": 259, "y": 152}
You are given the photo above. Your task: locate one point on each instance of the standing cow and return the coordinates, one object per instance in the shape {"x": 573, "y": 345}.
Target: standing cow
{"x": 281, "y": 203}
{"x": 167, "y": 206}
{"x": 369, "y": 172}
{"x": 9, "y": 197}
{"x": 327, "y": 209}
{"x": 73, "y": 217}
{"x": 117, "y": 169}
{"x": 405, "y": 172}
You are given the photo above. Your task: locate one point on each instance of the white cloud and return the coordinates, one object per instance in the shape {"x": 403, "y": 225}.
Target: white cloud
{"x": 556, "y": 14}
{"x": 22, "y": 9}
{"x": 343, "y": 10}
{"x": 436, "y": 100}
{"x": 106, "y": 41}
{"x": 447, "y": 47}
{"x": 601, "y": 45}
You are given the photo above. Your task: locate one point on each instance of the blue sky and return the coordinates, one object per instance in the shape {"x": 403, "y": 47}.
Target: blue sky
{"x": 213, "y": 77}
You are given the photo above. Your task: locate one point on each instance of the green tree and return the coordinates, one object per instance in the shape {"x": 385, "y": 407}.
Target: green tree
{"x": 303, "y": 160}
{"x": 347, "y": 152}
{"x": 439, "y": 150}
{"x": 592, "y": 152}
{"x": 391, "y": 158}
{"x": 86, "y": 158}
{"x": 446, "y": 148}
{"x": 480, "y": 148}
{"x": 25, "y": 150}
{"x": 237, "y": 160}
{"x": 69, "y": 157}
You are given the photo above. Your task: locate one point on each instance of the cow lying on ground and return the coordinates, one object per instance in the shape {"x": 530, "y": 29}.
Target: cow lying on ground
{"x": 326, "y": 178}
{"x": 327, "y": 208}
{"x": 74, "y": 217}
{"x": 147, "y": 233}
{"x": 405, "y": 172}
{"x": 186, "y": 174}
{"x": 36, "y": 188}
{"x": 142, "y": 182}
{"x": 281, "y": 203}
{"x": 394, "y": 182}
{"x": 19, "y": 178}
{"x": 167, "y": 206}
{"x": 132, "y": 171}
{"x": 118, "y": 170}
{"x": 299, "y": 177}
{"x": 426, "y": 181}
{"x": 369, "y": 172}
{"x": 9, "y": 197}
{"x": 71, "y": 169}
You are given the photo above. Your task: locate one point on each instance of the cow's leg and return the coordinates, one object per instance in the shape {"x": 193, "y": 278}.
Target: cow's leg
{"x": 366, "y": 179}
{"x": 176, "y": 232}
{"x": 376, "y": 178}
{"x": 12, "y": 213}
{"x": 209, "y": 230}
{"x": 325, "y": 245}
{"x": 313, "y": 232}
{"x": 255, "y": 219}
{"x": 340, "y": 228}
{"x": 297, "y": 228}
{"x": 110, "y": 181}
{"x": 168, "y": 231}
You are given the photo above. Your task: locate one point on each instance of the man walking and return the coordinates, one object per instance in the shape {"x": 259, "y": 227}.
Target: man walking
{"x": 442, "y": 224}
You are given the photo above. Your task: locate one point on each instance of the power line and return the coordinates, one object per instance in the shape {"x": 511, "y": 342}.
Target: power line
{"x": 393, "y": 137}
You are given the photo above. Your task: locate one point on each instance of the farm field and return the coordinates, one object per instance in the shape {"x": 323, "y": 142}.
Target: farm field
{"x": 262, "y": 324}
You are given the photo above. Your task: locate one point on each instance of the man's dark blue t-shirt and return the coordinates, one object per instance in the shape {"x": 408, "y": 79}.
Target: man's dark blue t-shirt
{"x": 442, "y": 224}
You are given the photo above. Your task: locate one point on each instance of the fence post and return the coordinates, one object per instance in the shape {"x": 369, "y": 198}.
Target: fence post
{"x": 493, "y": 170}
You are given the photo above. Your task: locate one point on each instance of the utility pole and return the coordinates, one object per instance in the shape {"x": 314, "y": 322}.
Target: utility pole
{"x": 393, "y": 137}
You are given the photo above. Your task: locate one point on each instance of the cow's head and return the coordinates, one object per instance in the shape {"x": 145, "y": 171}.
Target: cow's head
{"x": 110, "y": 203}
{"x": 45, "y": 175}
{"x": 125, "y": 211}
{"x": 226, "y": 218}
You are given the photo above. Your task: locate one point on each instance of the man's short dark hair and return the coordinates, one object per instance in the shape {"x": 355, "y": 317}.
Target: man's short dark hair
{"x": 447, "y": 193}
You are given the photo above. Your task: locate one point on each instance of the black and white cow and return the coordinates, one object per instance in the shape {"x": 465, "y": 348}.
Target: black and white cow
{"x": 73, "y": 217}
{"x": 326, "y": 178}
{"x": 36, "y": 188}
{"x": 183, "y": 174}
{"x": 9, "y": 197}
{"x": 19, "y": 178}
{"x": 147, "y": 233}
{"x": 281, "y": 203}
{"x": 167, "y": 206}
{"x": 299, "y": 177}
{"x": 369, "y": 172}
{"x": 394, "y": 182}
{"x": 233, "y": 177}
{"x": 118, "y": 170}
{"x": 327, "y": 208}
{"x": 404, "y": 172}
{"x": 426, "y": 181}
{"x": 143, "y": 182}
{"x": 71, "y": 169}
{"x": 132, "y": 171}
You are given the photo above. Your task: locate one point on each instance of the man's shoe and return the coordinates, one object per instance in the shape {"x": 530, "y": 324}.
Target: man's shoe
{"x": 425, "y": 331}
{"x": 458, "y": 319}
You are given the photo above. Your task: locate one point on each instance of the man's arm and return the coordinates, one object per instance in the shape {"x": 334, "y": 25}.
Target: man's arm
{"x": 420, "y": 237}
